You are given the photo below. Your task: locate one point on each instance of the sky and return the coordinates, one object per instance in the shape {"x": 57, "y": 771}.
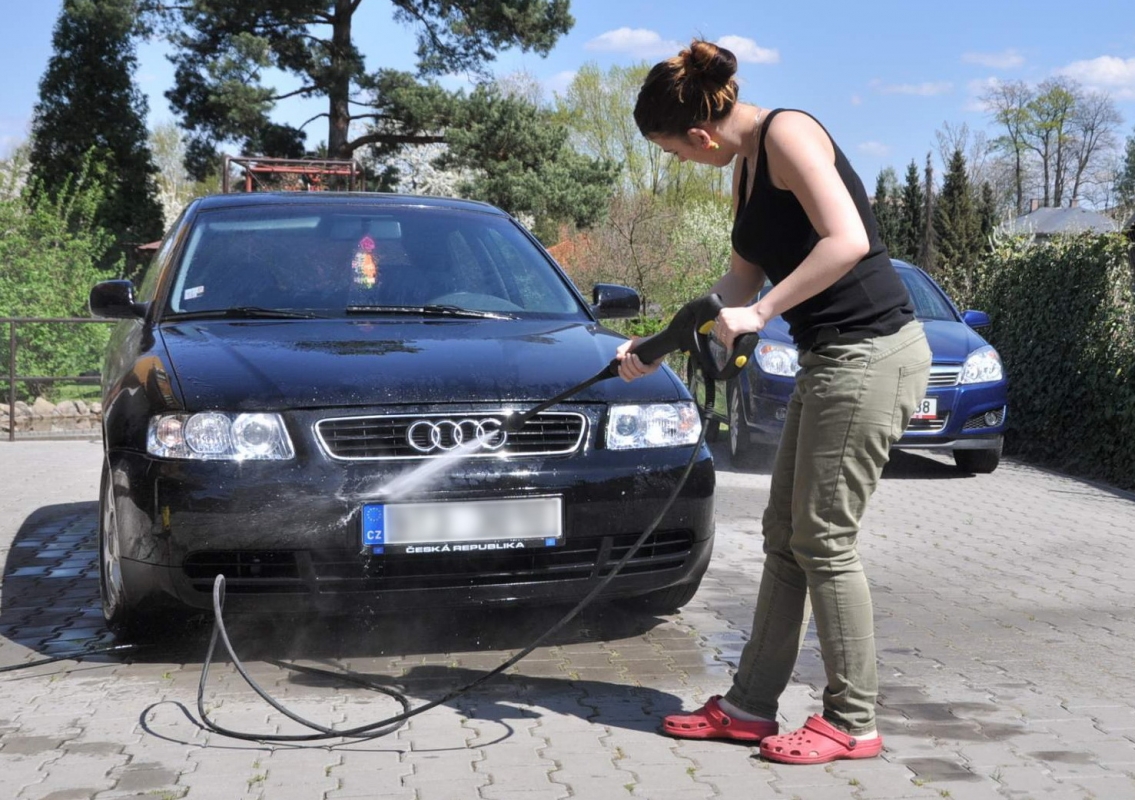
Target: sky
{"x": 882, "y": 75}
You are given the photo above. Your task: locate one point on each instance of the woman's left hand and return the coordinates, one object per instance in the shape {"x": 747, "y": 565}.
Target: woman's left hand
{"x": 732, "y": 322}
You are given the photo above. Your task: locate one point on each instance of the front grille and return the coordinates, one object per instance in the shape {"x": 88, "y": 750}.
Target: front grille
{"x": 400, "y": 436}
{"x": 928, "y": 425}
{"x": 979, "y": 421}
{"x": 348, "y": 572}
{"x": 944, "y": 376}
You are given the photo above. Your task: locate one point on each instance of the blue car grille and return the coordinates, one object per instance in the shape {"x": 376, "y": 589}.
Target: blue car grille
{"x": 408, "y": 435}
{"x": 340, "y": 572}
{"x": 944, "y": 376}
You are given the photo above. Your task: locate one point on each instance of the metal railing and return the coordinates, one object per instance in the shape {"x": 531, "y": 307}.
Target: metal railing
{"x": 14, "y": 378}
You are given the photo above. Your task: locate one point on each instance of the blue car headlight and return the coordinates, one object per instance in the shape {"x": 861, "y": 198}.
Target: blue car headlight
{"x": 630, "y": 427}
{"x": 776, "y": 358}
{"x": 982, "y": 366}
{"x": 214, "y": 436}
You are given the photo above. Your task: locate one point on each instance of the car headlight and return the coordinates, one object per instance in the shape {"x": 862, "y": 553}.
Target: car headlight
{"x": 630, "y": 427}
{"x": 982, "y": 366}
{"x": 214, "y": 436}
{"x": 776, "y": 358}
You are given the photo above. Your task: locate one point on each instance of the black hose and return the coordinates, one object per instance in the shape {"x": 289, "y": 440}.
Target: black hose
{"x": 390, "y": 724}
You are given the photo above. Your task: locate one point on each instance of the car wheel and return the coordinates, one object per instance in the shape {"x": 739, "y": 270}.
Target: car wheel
{"x": 665, "y": 601}
{"x": 742, "y": 451}
{"x": 122, "y": 616}
{"x": 980, "y": 462}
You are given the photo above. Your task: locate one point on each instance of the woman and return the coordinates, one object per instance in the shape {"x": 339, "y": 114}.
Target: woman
{"x": 803, "y": 221}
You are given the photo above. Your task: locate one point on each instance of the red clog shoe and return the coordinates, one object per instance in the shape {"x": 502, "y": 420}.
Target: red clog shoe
{"x": 818, "y": 742}
{"x": 710, "y": 722}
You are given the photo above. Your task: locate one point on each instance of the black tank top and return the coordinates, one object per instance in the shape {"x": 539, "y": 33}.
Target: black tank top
{"x": 772, "y": 231}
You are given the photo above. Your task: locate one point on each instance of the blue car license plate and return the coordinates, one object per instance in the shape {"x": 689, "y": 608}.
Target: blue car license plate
{"x": 474, "y": 526}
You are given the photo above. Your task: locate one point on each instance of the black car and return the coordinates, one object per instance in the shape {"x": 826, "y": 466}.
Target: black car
{"x": 291, "y": 395}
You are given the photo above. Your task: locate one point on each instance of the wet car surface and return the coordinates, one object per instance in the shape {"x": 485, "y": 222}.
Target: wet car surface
{"x": 307, "y": 394}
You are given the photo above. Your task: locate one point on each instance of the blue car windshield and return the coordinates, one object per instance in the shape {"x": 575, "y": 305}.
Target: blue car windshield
{"x": 334, "y": 260}
{"x": 929, "y": 302}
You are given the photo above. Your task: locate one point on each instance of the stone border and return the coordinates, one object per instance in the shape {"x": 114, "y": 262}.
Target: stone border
{"x": 43, "y": 416}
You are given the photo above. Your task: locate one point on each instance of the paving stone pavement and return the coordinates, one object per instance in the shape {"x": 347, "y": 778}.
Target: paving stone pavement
{"x": 1004, "y": 626}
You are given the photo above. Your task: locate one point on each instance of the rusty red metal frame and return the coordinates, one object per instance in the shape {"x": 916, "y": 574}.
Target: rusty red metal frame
{"x": 313, "y": 168}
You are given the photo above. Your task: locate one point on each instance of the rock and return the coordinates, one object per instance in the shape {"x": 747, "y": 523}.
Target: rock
{"x": 96, "y": 408}
{"x": 82, "y": 408}
{"x": 42, "y": 408}
{"x": 23, "y": 409}
{"x": 66, "y": 408}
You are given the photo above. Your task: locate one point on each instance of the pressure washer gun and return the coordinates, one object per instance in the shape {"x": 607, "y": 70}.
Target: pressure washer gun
{"x": 691, "y": 331}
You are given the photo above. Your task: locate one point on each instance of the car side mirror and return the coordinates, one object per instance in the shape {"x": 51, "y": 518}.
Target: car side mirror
{"x": 611, "y": 301}
{"x": 976, "y": 319}
{"x": 115, "y": 300}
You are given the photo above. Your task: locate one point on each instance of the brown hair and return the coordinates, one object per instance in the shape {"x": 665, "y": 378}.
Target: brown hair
{"x": 693, "y": 87}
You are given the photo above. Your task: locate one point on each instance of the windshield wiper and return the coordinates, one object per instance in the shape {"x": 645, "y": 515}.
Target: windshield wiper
{"x": 430, "y": 311}
{"x": 244, "y": 312}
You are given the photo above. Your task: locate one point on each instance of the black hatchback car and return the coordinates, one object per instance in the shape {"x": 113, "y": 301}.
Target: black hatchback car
{"x": 290, "y": 397}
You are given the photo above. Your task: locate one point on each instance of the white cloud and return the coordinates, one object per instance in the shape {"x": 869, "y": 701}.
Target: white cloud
{"x": 856, "y": 100}
{"x": 925, "y": 89}
{"x": 748, "y": 51}
{"x": 1006, "y": 59}
{"x": 874, "y": 149}
{"x": 1110, "y": 74}
{"x": 638, "y": 42}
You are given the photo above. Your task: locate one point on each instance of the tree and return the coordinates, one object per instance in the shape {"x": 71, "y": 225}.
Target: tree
{"x": 518, "y": 159}
{"x": 1092, "y": 130}
{"x": 1125, "y": 180}
{"x": 1009, "y": 104}
{"x": 913, "y": 221}
{"x": 175, "y": 188}
{"x": 1047, "y": 135}
{"x": 222, "y": 49}
{"x": 49, "y": 252}
{"x": 888, "y": 209}
{"x": 598, "y": 110}
{"x": 957, "y": 230}
{"x": 927, "y": 249}
{"x": 88, "y": 104}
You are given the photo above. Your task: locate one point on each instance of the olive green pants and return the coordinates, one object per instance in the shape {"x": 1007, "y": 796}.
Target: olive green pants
{"x": 852, "y": 401}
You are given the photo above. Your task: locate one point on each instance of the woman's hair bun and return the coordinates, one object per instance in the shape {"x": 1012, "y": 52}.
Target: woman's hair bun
{"x": 709, "y": 62}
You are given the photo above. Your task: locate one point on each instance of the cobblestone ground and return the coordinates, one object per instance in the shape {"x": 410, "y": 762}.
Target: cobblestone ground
{"x": 1004, "y": 620}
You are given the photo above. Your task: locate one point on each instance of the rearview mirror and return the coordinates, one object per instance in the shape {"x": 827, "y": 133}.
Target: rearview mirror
{"x": 976, "y": 319}
{"x": 115, "y": 300}
{"x": 611, "y": 301}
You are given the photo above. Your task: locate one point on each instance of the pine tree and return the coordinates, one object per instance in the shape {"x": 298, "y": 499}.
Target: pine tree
{"x": 88, "y": 104}
{"x": 927, "y": 248}
{"x": 886, "y": 207}
{"x": 957, "y": 230}
{"x": 1125, "y": 181}
{"x": 912, "y": 222}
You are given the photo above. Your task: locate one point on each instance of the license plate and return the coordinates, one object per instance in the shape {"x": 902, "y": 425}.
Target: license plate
{"x": 927, "y": 409}
{"x": 478, "y": 526}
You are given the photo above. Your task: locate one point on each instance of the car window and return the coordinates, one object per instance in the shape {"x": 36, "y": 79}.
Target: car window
{"x": 929, "y": 301}
{"x": 326, "y": 258}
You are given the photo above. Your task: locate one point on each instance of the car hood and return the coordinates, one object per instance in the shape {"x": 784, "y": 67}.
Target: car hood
{"x": 950, "y": 342}
{"x": 270, "y": 364}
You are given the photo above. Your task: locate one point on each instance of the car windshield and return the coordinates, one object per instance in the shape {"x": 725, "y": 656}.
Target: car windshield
{"x": 929, "y": 303}
{"x": 321, "y": 260}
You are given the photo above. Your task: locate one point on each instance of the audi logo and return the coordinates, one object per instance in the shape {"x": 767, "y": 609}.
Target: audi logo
{"x": 444, "y": 435}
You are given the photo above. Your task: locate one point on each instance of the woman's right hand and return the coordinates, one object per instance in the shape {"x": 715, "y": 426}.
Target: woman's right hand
{"x": 630, "y": 365}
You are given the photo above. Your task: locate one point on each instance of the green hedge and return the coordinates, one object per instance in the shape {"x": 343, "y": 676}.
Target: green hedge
{"x": 1064, "y": 322}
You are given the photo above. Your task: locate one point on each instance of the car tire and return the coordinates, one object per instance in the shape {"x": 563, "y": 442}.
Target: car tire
{"x": 665, "y": 601}
{"x": 979, "y": 462}
{"x": 742, "y": 451}
{"x": 125, "y": 620}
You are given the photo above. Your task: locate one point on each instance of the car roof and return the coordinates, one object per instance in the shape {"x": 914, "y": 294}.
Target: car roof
{"x": 247, "y": 199}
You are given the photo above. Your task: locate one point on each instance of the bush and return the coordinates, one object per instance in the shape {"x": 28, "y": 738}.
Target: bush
{"x": 1064, "y": 322}
{"x": 48, "y": 254}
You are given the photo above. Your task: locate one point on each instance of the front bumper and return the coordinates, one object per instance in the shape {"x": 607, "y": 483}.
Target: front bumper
{"x": 287, "y": 535}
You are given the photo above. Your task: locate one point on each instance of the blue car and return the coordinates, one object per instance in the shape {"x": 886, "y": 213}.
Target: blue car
{"x": 964, "y": 411}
